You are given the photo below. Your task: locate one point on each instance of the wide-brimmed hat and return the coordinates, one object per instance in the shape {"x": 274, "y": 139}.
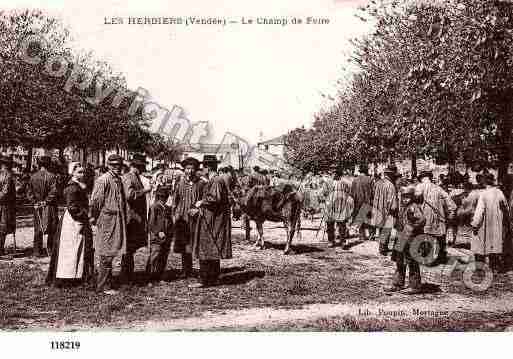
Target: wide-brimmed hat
{"x": 408, "y": 190}
{"x": 44, "y": 161}
{"x": 391, "y": 169}
{"x": 489, "y": 178}
{"x": 162, "y": 191}
{"x": 115, "y": 159}
{"x": 425, "y": 173}
{"x": 138, "y": 160}
{"x": 191, "y": 161}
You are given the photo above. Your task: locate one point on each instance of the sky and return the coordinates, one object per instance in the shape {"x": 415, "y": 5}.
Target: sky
{"x": 245, "y": 79}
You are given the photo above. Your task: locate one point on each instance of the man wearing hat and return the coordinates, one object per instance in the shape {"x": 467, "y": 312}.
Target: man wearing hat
{"x": 7, "y": 201}
{"x": 257, "y": 178}
{"x": 410, "y": 223}
{"x": 491, "y": 226}
{"x": 42, "y": 191}
{"x": 385, "y": 203}
{"x": 362, "y": 191}
{"x": 188, "y": 191}
{"x": 438, "y": 209}
{"x": 109, "y": 212}
{"x": 137, "y": 209}
{"x": 213, "y": 237}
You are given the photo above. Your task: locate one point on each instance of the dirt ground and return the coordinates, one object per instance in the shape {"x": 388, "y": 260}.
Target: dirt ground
{"x": 317, "y": 288}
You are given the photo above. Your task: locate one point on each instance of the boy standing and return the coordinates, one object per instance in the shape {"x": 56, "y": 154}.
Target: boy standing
{"x": 160, "y": 225}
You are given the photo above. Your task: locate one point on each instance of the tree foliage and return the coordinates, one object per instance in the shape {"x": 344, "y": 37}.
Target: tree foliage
{"x": 434, "y": 80}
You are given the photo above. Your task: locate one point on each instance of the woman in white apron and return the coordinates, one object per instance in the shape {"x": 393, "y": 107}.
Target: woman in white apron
{"x": 72, "y": 259}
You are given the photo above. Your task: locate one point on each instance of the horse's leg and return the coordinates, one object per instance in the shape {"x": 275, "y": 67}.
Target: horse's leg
{"x": 298, "y": 228}
{"x": 287, "y": 231}
{"x": 260, "y": 241}
{"x": 247, "y": 228}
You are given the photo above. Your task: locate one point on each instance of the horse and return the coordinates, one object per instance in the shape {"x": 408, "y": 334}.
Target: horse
{"x": 268, "y": 203}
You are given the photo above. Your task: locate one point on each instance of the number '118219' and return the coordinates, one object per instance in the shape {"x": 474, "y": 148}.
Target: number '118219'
{"x": 65, "y": 345}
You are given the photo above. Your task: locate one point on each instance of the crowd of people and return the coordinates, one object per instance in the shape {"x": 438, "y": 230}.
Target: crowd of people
{"x": 187, "y": 209}
{"x": 395, "y": 210}
{"x": 184, "y": 209}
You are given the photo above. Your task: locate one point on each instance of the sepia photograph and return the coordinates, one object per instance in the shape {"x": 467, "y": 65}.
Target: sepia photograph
{"x": 255, "y": 167}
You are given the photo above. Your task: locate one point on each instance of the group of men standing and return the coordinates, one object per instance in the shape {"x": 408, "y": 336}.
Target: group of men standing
{"x": 390, "y": 206}
{"x": 190, "y": 214}
{"x": 194, "y": 212}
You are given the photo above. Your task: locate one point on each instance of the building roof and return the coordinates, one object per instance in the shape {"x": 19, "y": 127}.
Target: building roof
{"x": 280, "y": 140}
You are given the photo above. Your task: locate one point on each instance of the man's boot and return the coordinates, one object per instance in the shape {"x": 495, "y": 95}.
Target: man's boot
{"x": 399, "y": 277}
{"x": 414, "y": 280}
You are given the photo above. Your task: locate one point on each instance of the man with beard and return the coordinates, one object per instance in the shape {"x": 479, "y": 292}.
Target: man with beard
{"x": 7, "y": 201}
{"x": 43, "y": 193}
{"x": 109, "y": 212}
{"x": 188, "y": 191}
{"x": 212, "y": 241}
{"x": 137, "y": 231}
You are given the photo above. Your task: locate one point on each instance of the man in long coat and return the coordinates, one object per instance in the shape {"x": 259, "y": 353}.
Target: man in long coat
{"x": 362, "y": 191}
{"x": 338, "y": 210}
{"x": 492, "y": 226}
{"x": 213, "y": 240}
{"x": 438, "y": 209}
{"x": 109, "y": 212}
{"x": 385, "y": 203}
{"x": 188, "y": 191}
{"x": 42, "y": 191}
{"x": 7, "y": 201}
{"x": 137, "y": 214}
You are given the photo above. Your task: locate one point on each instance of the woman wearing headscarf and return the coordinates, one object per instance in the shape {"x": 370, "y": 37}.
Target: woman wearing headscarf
{"x": 72, "y": 259}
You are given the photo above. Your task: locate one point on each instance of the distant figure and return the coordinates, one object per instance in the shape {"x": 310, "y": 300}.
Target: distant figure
{"x": 362, "y": 191}
{"x": 338, "y": 210}
{"x": 7, "y": 201}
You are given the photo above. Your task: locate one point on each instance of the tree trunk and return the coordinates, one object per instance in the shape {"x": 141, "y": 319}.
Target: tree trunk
{"x": 104, "y": 155}
{"x": 505, "y": 142}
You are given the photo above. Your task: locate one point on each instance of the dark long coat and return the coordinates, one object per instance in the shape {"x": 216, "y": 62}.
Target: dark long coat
{"x": 7, "y": 204}
{"x": 185, "y": 196}
{"x": 137, "y": 212}
{"x": 43, "y": 188}
{"x": 362, "y": 191}
{"x": 213, "y": 234}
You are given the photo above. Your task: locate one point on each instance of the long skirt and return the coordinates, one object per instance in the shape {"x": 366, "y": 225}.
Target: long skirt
{"x": 72, "y": 256}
